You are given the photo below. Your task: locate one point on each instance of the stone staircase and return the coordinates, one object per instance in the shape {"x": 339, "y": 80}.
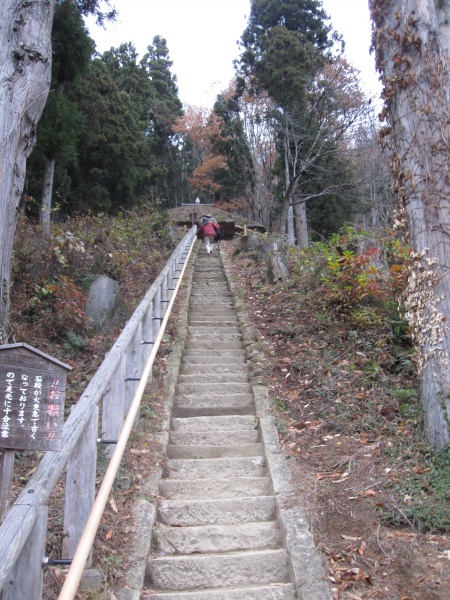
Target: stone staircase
{"x": 217, "y": 534}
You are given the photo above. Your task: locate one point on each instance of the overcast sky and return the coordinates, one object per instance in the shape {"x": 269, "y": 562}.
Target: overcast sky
{"x": 202, "y": 38}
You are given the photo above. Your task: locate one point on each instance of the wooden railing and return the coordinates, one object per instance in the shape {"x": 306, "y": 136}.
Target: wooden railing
{"x": 23, "y": 531}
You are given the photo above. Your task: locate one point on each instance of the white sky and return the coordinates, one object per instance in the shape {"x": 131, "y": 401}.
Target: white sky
{"x": 202, "y": 38}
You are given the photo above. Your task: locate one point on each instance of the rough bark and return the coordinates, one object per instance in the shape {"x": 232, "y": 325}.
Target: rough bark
{"x": 47, "y": 190}
{"x": 411, "y": 54}
{"x": 25, "y": 70}
{"x": 301, "y": 224}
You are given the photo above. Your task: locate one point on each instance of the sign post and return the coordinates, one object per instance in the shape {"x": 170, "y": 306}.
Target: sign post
{"x": 32, "y": 391}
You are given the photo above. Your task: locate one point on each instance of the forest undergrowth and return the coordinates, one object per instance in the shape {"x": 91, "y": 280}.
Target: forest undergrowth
{"x": 337, "y": 358}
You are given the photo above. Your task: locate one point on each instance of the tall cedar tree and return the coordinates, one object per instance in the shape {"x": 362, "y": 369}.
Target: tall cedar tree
{"x": 61, "y": 120}
{"x": 233, "y": 147}
{"x": 25, "y": 70}
{"x": 164, "y": 109}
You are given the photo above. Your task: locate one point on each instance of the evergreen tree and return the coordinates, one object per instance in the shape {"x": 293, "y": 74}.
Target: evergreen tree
{"x": 233, "y": 147}
{"x": 61, "y": 120}
{"x": 164, "y": 109}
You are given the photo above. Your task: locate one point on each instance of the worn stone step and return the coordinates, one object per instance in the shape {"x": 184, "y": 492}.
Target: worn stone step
{"x": 202, "y": 370}
{"x": 219, "y": 350}
{"x": 215, "y": 468}
{"x": 211, "y": 438}
{"x": 207, "y": 406}
{"x": 201, "y": 318}
{"x": 276, "y": 591}
{"x": 212, "y": 343}
{"x": 186, "y": 513}
{"x": 203, "y": 309}
{"x": 220, "y": 423}
{"x": 214, "y": 330}
{"x": 175, "y": 573}
{"x": 222, "y": 377}
{"x": 217, "y": 538}
{"x": 213, "y": 285}
{"x": 212, "y": 388}
{"x": 233, "y": 487}
{"x": 207, "y": 321}
{"x": 180, "y": 451}
{"x": 223, "y": 337}
{"x": 210, "y": 360}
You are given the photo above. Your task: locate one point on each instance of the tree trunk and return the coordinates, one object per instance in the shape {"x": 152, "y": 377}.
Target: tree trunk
{"x": 301, "y": 224}
{"x": 47, "y": 191}
{"x": 411, "y": 55}
{"x": 25, "y": 70}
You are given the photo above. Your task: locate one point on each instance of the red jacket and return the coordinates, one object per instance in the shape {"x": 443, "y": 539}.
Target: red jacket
{"x": 209, "y": 228}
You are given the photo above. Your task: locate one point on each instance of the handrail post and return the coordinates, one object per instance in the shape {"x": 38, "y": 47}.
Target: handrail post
{"x": 113, "y": 408}
{"x": 25, "y": 580}
{"x": 80, "y": 487}
{"x": 157, "y": 312}
{"x": 133, "y": 368}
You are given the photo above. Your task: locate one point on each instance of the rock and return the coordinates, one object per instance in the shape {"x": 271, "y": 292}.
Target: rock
{"x": 276, "y": 268}
{"x": 105, "y": 308}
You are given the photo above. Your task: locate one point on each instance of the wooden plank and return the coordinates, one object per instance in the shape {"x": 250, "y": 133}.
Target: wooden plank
{"x": 113, "y": 409}
{"x": 15, "y": 530}
{"x": 147, "y": 336}
{"x": 157, "y": 312}
{"x": 6, "y": 477}
{"x": 80, "y": 487}
{"x": 26, "y": 578}
{"x": 133, "y": 368}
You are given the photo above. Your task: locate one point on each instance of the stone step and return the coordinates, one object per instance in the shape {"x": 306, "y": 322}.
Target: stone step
{"x": 219, "y": 319}
{"x": 180, "y": 451}
{"x": 215, "y": 377}
{"x": 233, "y": 487}
{"x": 212, "y": 329}
{"x": 176, "y": 573}
{"x": 205, "y": 370}
{"x": 212, "y": 343}
{"x": 187, "y": 513}
{"x": 215, "y": 468}
{"x": 204, "y": 310}
{"x": 211, "y": 389}
{"x": 223, "y": 336}
{"x": 217, "y": 538}
{"x": 226, "y": 360}
{"x": 208, "y": 406}
{"x": 203, "y": 298}
{"x": 218, "y": 324}
{"x": 213, "y": 438}
{"x": 229, "y": 423}
{"x": 276, "y": 591}
{"x": 220, "y": 350}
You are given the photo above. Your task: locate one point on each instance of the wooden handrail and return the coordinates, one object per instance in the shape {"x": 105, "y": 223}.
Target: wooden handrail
{"x": 72, "y": 581}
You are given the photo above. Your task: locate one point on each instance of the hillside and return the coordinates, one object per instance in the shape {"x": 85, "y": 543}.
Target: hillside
{"x": 338, "y": 363}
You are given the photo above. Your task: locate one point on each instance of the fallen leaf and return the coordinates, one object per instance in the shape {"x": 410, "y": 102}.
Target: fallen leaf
{"x": 113, "y": 505}
{"x": 368, "y": 493}
{"x": 108, "y": 534}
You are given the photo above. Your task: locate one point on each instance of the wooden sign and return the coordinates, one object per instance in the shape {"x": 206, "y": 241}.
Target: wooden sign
{"x": 32, "y": 391}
